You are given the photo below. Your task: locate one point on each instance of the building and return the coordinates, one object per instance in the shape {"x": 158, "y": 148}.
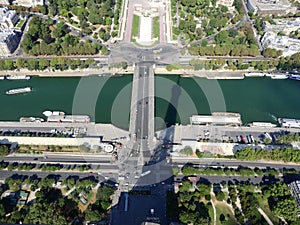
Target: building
{"x": 289, "y": 46}
{"x": 28, "y": 3}
{"x": 295, "y": 190}
{"x": 227, "y": 3}
{"x": 8, "y": 18}
{"x": 9, "y": 41}
{"x": 285, "y": 26}
{"x": 4, "y": 2}
{"x": 270, "y": 6}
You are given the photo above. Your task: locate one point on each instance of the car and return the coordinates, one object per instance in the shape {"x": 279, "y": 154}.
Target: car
{"x": 152, "y": 211}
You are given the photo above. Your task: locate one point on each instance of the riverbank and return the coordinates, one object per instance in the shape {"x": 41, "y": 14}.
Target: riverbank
{"x": 67, "y": 73}
{"x": 105, "y": 71}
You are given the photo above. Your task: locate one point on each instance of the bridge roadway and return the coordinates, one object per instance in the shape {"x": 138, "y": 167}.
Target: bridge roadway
{"x": 141, "y": 127}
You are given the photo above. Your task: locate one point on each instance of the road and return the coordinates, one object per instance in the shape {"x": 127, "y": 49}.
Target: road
{"x": 60, "y": 158}
{"x": 134, "y": 162}
{"x": 180, "y": 161}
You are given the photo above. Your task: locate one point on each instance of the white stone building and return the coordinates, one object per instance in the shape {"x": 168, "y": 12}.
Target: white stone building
{"x": 295, "y": 190}
{"x": 28, "y": 3}
{"x": 270, "y": 6}
{"x": 227, "y": 3}
{"x": 8, "y": 18}
{"x": 289, "y": 46}
{"x": 9, "y": 41}
{"x": 4, "y": 2}
{"x": 285, "y": 26}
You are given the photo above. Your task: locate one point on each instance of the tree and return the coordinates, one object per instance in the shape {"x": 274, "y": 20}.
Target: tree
{"x": 287, "y": 209}
{"x": 187, "y": 151}
{"x": 4, "y": 150}
{"x": 92, "y": 215}
{"x": 2, "y": 211}
{"x": 104, "y": 193}
{"x": 267, "y": 141}
{"x": 220, "y": 196}
{"x": 9, "y": 64}
{"x": 20, "y": 63}
{"x": 222, "y": 217}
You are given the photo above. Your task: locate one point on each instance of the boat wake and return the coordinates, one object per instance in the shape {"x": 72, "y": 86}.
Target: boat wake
{"x": 272, "y": 116}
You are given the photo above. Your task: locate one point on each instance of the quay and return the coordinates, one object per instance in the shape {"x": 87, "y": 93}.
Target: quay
{"x": 68, "y": 118}
{"x": 220, "y": 118}
{"x": 105, "y": 131}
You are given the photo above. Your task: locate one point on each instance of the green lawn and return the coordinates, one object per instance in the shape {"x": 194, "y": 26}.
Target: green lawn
{"x": 222, "y": 208}
{"x": 135, "y": 27}
{"x": 20, "y": 24}
{"x": 155, "y": 27}
{"x": 210, "y": 212}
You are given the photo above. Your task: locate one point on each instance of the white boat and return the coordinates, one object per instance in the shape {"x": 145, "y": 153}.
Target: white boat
{"x": 53, "y": 113}
{"x": 2, "y": 77}
{"x": 19, "y": 91}
{"x": 279, "y": 76}
{"x": 294, "y": 76}
{"x": 254, "y": 74}
{"x": 286, "y": 122}
{"x": 31, "y": 119}
{"x": 262, "y": 124}
{"x": 15, "y": 77}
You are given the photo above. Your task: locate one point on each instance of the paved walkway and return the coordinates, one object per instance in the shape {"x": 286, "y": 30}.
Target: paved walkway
{"x": 265, "y": 216}
{"x": 69, "y": 192}
{"x": 213, "y": 205}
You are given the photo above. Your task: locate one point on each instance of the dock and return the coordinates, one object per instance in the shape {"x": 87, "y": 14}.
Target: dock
{"x": 68, "y": 118}
{"x": 217, "y": 118}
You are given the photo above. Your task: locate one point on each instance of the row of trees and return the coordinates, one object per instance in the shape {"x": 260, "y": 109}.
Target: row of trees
{"x": 283, "y": 63}
{"x": 43, "y": 64}
{"x": 288, "y": 139}
{"x": 272, "y": 53}
{"x": 42, "y": 167}
{"x": 34, "y": 134}
{"x": 235, "y": 42}
{"x": 281, "y": 154}
{"x": 240, "y": 171}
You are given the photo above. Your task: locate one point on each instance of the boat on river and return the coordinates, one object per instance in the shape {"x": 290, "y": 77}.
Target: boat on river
{"x": 19, "y": 91}
{"x": 294, "y": 76}
{"x": 280, "y": 76}
{"x": 14, "y": 77}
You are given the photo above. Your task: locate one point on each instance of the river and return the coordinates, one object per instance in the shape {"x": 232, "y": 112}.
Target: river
{"x": 107, "y": 100}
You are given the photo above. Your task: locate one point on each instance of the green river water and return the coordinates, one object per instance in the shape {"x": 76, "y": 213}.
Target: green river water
{"x": 107, "y": 100}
